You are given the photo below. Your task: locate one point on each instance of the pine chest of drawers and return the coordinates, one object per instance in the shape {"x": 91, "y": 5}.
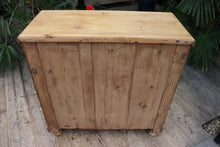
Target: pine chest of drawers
{"x": 105, "y": 69}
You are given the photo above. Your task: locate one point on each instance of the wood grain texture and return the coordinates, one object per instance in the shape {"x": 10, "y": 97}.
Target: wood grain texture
{"x": 34, "y": 62}
{"x": 180, "y": 110}
{"x": 113, "y": 67}
{"x": 3, "y": 114}
{"x": 85, "y": 54}
{"x": 105, "y": 26}
{"x": 152, "y": 65}
{"x": 105, "y": 69}
{"x": 61, "y": 65}
{"x": 42, "y": 137}
{"x": 178, "y": 62}
{"x": 88, "y": 84}
{"x": 195, "y": 102}
{"x": 18, "y": 118}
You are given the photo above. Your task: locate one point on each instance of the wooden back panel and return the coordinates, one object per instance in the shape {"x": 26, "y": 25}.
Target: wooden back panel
{"x": 105, "y": 85}
{"x": 113, "y": 70}
{"x": 61, "y": 66}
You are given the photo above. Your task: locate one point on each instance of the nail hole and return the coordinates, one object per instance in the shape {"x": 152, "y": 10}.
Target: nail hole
{"x": 144, "y": 106}
{"x": 117, "y": 87}
{"x": 48, "y": 36}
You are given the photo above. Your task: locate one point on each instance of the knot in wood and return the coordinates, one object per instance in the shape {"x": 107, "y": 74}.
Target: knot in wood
{"x": 34, "y": 71}
{"x": 110, "y": 50}
{"x": 183, "y": 57}
{"x": 48, "y": 36}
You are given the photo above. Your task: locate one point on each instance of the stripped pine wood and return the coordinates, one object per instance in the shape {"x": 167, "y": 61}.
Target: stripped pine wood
{"x": 180, "y": 57}
{"x": 68, "y": 99}
{"x": 3, "y": 114}
{"x": 19, "y": 126}
{"x": 35, "y": 66}
{"x": 113, "y": 67}
{"x": 85, "y": 55}
{"x": 113, "y": 77}
{"x": 42, "y": 136}
{"x": 152, "y": 64}
{"x": 106, "y": 26}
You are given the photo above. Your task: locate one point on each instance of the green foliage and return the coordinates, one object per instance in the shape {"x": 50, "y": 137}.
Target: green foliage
{"x": 201, "y": 19}
{"x": 8, "y": 54}
{"x": 202, "y": 10}
{"x": 54, "y": 4}
{"x": 12, "y": 21}
{"x": 205, "y": 50}
{"x": 14, "y": 16}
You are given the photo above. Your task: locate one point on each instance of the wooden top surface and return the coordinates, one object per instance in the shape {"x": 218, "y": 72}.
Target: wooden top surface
{"x": 105, "y": 26}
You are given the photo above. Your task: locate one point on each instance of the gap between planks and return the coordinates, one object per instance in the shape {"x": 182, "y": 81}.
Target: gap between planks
{"x": 20, "y": 130}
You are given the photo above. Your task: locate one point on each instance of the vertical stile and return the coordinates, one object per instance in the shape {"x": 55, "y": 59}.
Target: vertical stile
{"x": 85, "y": 52}
{"x": 113, "y": 65}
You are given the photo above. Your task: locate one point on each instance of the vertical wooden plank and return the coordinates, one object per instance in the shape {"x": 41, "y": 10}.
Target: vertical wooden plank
{"x": 72, "y": 138}
{"x": 105, "y": 136}
{"x": 113, "y": 66}
{"x": 93, "y": 139}
{"x": 87, "y": 81}
{"x": 174, "y": 76}
{"x": 101, "y": 80}
{"x": 186, "y": 117}
{"x": 61, "y": 65}
{"x": 3, "y": 114}
{"x": 152, "y": 65}
{"x": 18, "y": 120}
{"x": 35, "y": 66}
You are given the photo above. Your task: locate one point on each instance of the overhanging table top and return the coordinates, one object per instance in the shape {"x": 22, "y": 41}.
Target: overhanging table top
{"x": 105, "y": 26}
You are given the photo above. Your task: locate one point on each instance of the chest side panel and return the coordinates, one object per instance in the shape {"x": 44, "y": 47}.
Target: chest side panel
{"x": 152, "y": 67}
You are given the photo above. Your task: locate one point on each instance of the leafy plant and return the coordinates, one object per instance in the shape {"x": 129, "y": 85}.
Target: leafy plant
{"x": 14, "y": 16}
{"x": 8, "y": 54}
{"x": 54, "y": 4}
{"x": 202, "y": 10}
{"x": 201, "y": 19}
